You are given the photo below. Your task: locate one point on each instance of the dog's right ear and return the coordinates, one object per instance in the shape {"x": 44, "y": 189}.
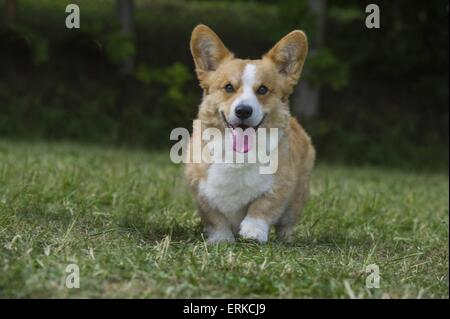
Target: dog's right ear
{"x": 207, "y": 50}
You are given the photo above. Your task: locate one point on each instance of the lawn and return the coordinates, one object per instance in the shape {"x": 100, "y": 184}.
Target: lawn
{"x": 127, "y": 219}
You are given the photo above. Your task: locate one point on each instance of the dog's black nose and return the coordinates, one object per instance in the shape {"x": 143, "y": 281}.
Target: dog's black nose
{"x": 243, "y": 111}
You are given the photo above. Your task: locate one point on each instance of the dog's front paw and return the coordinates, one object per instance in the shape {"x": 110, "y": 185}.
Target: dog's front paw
{"x": 223, "y": 235}
{"x": 254, "y": 228}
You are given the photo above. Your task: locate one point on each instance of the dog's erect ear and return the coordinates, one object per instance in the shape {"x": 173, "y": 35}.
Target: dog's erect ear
{"x": 208, "y": 50}
{"x": 289, "y": 54}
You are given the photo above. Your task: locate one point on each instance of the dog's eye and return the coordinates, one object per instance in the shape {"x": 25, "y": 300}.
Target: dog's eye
{"x": 262, "y": 90}
{"x": 229, "y": 88}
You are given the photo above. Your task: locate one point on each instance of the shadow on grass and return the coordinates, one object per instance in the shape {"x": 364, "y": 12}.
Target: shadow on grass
{"x": 137, "y": 227}
{"x": 155, "y": 232}
{"x": 152, "y": 232}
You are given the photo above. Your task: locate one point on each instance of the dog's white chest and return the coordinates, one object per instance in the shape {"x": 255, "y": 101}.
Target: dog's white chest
{"x": 230, "y": 187}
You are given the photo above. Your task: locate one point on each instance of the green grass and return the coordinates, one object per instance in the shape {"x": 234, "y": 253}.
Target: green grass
{"x": 127, "y": 219}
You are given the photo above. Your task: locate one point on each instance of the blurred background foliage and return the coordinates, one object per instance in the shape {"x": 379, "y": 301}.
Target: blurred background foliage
{"x": 383, "y": 92}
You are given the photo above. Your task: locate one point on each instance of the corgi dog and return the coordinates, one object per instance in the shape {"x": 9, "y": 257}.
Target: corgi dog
{"x": 236, "y": 199}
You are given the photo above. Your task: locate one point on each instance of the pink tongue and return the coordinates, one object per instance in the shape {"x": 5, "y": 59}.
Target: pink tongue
{"x": 243, "y": 140}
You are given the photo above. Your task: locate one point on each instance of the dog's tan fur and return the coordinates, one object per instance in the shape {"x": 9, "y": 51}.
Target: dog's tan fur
{"x": 279, "y": 70}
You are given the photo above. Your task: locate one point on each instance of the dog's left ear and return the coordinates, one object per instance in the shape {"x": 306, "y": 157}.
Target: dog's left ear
{"x": 289, "y": 55}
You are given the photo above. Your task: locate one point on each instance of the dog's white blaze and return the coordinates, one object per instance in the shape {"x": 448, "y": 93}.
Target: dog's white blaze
{"x": 248, "y": 79}
{"x": 248, "y": 95}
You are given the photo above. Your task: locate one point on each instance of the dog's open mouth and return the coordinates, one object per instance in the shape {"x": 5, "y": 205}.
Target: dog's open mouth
{"x": 244, "y": 136}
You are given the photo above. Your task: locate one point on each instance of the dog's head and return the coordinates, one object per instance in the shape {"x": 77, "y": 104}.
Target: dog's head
{"x": 246, "y": 93}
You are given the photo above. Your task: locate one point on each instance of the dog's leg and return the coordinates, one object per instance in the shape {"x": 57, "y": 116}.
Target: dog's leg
{"x": 219, "y": 234}
{"x": 255, "y": 228}
{"x": 262, "y": 213}
{"x": 284, "y": 227}
{"x": 218, "y": 227}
